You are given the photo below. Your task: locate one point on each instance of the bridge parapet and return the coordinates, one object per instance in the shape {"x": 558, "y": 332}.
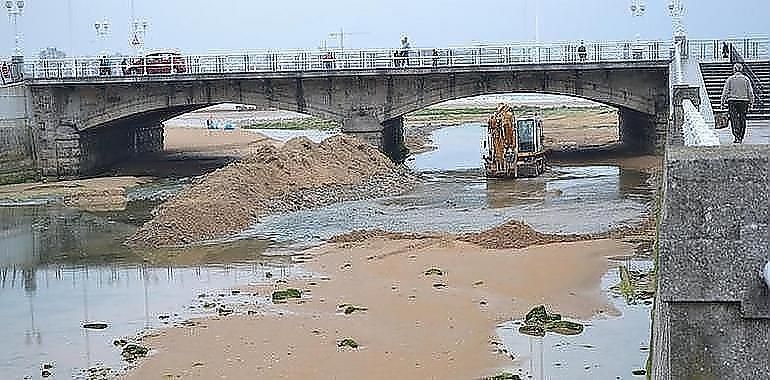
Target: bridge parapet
{"x": 712, "y": 311}
{"x": 338, "y": 60}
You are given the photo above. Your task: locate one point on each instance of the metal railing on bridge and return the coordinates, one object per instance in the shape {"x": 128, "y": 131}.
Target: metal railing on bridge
{"x": 750, "y": 48}
{"x": 692, "y": 125}
{"x": 267, "y": 61}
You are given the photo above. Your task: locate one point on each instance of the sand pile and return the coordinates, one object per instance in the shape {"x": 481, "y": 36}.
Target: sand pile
{"x": 300, "y": 174}
{"x": 361, "y": 235}
{"x": 515, "y": 234}
{"x": 511, "y": 235}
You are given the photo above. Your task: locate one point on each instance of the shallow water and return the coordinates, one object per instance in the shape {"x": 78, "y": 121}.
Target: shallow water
{"x": 60, "y": 267}
{"x": 608, "y": 348}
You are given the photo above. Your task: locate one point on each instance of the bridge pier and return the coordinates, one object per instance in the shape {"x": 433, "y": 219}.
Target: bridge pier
{"x": 642, "y": 133}
{"x": 388, "y": 136}
{"x": 69, "y": 153}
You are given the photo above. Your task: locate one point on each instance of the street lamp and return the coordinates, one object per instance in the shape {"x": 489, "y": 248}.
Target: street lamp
{"x": 15, "y": 10}
{"x": 676, "y": 7}
{"x": 102, "y": 32}
{"x": 139, "y": 31}
{"x": 638, "y": 10}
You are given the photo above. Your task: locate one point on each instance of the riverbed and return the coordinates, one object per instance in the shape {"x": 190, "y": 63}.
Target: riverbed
{"x": 61, "y": 267}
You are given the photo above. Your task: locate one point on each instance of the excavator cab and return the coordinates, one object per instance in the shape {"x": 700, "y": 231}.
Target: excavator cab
{"x": 531, "y": 157}
{"x": 529, "y": 134}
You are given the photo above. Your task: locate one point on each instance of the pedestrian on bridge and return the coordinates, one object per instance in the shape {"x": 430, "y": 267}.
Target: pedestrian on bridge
{"x": 738, "y": 95}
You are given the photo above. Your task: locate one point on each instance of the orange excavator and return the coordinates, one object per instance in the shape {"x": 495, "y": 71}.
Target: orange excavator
{"x": 514, "y": 146}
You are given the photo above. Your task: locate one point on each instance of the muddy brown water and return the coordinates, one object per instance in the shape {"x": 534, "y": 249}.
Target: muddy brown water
{"x": 61, "y": 267}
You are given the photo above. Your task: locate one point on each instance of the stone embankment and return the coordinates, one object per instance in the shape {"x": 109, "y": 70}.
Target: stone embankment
{"x": 298, "y": 175}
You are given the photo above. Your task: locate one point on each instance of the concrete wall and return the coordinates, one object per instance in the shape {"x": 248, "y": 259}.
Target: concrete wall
{"x": 368, "y": 104}
{"x": 712, "y": 312}
{"x": 17, "y": 161}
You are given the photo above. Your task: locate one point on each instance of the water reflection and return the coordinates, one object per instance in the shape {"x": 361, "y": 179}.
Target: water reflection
{"x": 60, "y": 267}
{"x": 608, "y": 348}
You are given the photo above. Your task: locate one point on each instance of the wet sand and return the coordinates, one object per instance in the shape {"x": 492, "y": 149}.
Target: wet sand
{"x": 94, "y": 194}
{"x": 199, "y": 140}
{"x": 416, "y": 326}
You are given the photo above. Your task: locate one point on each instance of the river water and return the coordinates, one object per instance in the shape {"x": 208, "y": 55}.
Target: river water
{"x": 61, "y": 267}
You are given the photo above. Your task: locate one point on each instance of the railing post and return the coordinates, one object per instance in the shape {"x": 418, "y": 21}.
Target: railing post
{"x": 681, "y": 92}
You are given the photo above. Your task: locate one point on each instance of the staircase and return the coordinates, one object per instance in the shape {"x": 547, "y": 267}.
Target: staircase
{"x": 716, "y": 73}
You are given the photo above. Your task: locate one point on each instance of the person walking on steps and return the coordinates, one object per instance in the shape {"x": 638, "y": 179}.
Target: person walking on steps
{"x": 738, "y": 96}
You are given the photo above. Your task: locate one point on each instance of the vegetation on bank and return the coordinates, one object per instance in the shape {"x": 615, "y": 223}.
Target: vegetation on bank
{"x": 467, "y": 114}
{"x": 294, "y": 124}
{"x": 431, "y": 113}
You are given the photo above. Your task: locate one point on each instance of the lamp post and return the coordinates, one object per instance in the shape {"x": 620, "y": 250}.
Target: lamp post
{"x": 676, "y": 7}
{"x": 102, "y": 32}
{"x": 15, "y": 9}
{"x": 638, "y": 10}
{"x": 138, "y": 30}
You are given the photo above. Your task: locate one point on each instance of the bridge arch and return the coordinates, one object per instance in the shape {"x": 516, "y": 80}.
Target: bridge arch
{"x": 368, "y": 103}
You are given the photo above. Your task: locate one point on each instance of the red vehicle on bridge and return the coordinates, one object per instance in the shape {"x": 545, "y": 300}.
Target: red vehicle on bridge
{"x": 164, "y": 62}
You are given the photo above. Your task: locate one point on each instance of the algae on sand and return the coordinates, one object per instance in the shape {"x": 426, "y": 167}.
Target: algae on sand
{"x": 350, "y": 309}
{"x": 538, "y": 322}
{"x": 285, "y": 295}
{"x": 347, "y": 342}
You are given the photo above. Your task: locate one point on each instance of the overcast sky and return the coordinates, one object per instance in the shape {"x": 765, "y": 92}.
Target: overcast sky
{"x": 196, "y": 26}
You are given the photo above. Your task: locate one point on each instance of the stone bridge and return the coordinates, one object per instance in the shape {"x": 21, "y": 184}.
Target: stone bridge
{"x": 79, "y": 115}
{"x": 86, "y": 124}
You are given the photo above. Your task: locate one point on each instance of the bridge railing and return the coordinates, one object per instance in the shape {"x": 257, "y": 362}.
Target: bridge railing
{"x": 689, "y": 104}
{"x": 714, "y": 50}
{"x": 341, "y": 60}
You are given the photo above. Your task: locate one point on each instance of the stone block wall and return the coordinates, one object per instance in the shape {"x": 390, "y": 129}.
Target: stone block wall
{"x": 17, "y": 162}
{"x": 17, "y": 154}
{"x": 712, "y": 313}
{"x": 100, "y": 148}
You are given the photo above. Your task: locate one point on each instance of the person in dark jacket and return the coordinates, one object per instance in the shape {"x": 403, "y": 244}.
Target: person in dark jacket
{"x": 738, "y": 96}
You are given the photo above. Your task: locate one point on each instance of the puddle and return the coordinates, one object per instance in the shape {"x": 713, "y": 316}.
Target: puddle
{"x": 608, "y": 348}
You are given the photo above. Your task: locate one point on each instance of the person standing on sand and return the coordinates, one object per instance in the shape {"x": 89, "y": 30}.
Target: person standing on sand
{"x": 738, "y": 96}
